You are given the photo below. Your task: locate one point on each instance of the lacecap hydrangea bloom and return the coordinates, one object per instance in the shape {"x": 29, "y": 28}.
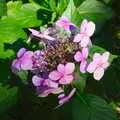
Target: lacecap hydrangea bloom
{"x": 65, "y": 46}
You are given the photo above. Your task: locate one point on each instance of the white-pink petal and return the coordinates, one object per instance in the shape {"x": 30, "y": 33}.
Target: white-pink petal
{"x": 78, "y": 56}
{"x": 91, "y": 67}
{"x": 78, "y": 38}
{"x": 61, "y": 68}
{"x": 85, "y": 52}
{"x": 98, "y": 74}
{"x": 36, "y": 80}
{"x": 90, "y": 28}
{"x": 67, "y": 79}
{"x": 105, "y": 56}
{"x": 83, "y": 65}
{"x": 97, "y": 57}
{"x": 55, "y": 75}
{"x": 83, "y": 26}
{"x": 85, "y": 41}
{"x": 69, "y": 68}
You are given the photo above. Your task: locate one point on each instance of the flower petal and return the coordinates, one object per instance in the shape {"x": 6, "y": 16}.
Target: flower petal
{"x": 98, "y": 74}
{"x": 67, "y": 98}
{"x": 83, "y": 26}
{"x": 52, "y": 84}
{"x": 26, "y": 64}
{"x": 78, "y": 56}
{"x": 90, "y": 28}
{"x": 21, "y": 52}
{"x": 67, "y": 79}
{"x": 16, "y": 65}
{"x": 91, "y": 67}
{"x": 61, "y": 68}
{"x": 85, "y": 52}
{"x": 83, "y": 66}
{"x": 37, "y": 81}
{"x": 97, "y": 57}
{"x": 85, "y": 41}
{"x": 69, "y": 68}
{"x": 105, "y": 56}
{"x": 78, "y": 38}
{"x": 55, "y": 75}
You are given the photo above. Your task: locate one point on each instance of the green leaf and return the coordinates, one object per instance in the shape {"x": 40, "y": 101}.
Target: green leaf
{"x": 91, "y": 107}
{"x": 24, "y": 14}
{"x": 11, "y": 27}
{"x": 78, "y": 2}
{"x": 61, "y": 6}
{"x": 3, "y": 8}
{"x": 8, "y": 97}
{"x": 69, "y": 10}
{"x": 10, "y": 31}
{"x": 92, "y": 10}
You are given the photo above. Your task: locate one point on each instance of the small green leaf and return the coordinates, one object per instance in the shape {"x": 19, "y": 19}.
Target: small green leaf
{"x": 91, "y": 107}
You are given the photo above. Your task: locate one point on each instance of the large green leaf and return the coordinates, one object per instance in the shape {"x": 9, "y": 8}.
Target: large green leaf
{"x": 10, "y": 31}
{"x": 24, "y": 14}
{"x": 3, "y": 7}
{"x": 8, "y": 97}
{"x": 91, "y": 107}
{"x": 92, "y": 10}
{"x": 11, "y": 27}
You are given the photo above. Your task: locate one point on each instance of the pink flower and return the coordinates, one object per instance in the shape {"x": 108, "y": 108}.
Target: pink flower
{"x": 65, "y": 23}
{"x": 98, "y": 65}
{"x": 43, "y": 35}
{"x": 63, "y": 99}
{"x": 63, "y": 74}
{"x": 86, "y": 31}
{"x": 46, "y": 86}
{"x": 81, "y": 57}
{"x": 23, "y": 61}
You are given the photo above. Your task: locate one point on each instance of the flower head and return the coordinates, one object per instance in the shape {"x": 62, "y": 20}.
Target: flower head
{"x": 63, "y": 74}
{"x": 98, "y": 65}
{"x": 23, "y": 61}
{"x": 86, "y": 31}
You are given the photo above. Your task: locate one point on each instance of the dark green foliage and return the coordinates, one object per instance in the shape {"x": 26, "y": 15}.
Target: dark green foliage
{"x": 18, "y": 100}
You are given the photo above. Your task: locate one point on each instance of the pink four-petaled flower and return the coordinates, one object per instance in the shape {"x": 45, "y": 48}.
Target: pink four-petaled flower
{"x": 98, "y": 65}
{"x": 86, "y": 31}
{"x": 81, "y": 56}
{"x": 63, "y": 74}
{"x": 23, "y": 61}
{"x": 65, "y": 23}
